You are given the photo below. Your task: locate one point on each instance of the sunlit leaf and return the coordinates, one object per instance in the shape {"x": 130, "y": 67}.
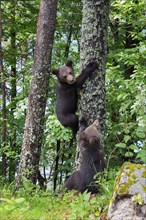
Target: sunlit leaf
{"x": 128, "y": 154}
{"x": 121, "y": 145}
{"x": 140, "y": 134}
{"x": 133, "y": 147}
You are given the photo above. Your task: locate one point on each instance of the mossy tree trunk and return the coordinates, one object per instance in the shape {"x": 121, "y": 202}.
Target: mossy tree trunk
{"x": 30, "y": 154}
{"x": 94, "y": 46}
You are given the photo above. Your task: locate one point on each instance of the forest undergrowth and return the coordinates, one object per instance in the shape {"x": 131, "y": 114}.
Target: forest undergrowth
{"x": 31, "y": 203}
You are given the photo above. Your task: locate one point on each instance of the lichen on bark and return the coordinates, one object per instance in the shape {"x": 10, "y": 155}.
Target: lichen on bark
{"x": 94, "y": 47}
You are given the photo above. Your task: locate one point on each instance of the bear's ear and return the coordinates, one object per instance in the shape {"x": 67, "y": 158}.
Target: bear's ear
{"x": 55, "y": 71}
{"x": 69, "y": 63}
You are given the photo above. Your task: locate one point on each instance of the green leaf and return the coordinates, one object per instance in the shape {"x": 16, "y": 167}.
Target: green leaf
{"x": 19, "y": 200}
{"x": 128, "y": 154}
{"x": 133, "y": 147}
{"x": 5, "y": 200}
{"x": 142, "y": 155}
{"x": 86, "y": 196}
{"x": 126, "y": 138}
{"x": 121, "y": 145}
{"x": 127, "y": 131}
{"x": 119, "y": 97}
{"x": 140, "y": 134}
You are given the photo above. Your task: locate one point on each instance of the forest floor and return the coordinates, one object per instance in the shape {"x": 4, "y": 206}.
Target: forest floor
{"x": 36, "y": 204}
{"x": 45, "y": 206}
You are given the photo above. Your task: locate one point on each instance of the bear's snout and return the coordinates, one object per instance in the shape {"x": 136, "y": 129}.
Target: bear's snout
{"x": 70, "y": 79}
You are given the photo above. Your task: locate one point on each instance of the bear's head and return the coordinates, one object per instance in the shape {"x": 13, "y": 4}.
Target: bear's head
{"x": 65, "y": 74}
{"x": 91, "y": 136}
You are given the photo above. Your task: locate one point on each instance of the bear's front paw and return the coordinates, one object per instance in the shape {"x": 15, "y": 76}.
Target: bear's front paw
{"x": 92, "y": 65}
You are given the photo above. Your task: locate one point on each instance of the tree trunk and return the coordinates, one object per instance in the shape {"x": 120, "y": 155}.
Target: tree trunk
{"x": 3, "y": 87}
{"x": 13, "y": 93}
{"x": 94, "y": 46}
{"x": 69, "y": 35}
{"x": 56, "y": 164}
{"x": 30, "y": 154}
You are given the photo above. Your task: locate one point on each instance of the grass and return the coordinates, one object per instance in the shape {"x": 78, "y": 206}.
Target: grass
{"x": 30, "y": 204}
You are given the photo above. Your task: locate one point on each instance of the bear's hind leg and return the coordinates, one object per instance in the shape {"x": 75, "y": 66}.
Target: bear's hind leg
{"x": 71, "y": 121}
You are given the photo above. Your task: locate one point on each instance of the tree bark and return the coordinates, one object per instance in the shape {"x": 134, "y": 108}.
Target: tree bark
{"x": 94, "y": 47}
{"x": 3, "y": 87}
{"x": 69, "y": 35}
{"x": 56, "y": 164}
{"x": 13, "y": 94}
{"x": 30, "y": 154}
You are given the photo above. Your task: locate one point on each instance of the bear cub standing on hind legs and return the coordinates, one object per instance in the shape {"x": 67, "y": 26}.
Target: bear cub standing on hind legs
{"x": 67, "y": 93}
{"x": 92, "y": 160}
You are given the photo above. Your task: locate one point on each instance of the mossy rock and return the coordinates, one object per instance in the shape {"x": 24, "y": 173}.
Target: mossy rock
{"x": 129, "y": 198}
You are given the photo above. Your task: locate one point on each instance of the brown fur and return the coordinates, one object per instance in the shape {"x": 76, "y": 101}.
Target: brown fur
{"x": 92, "y": 160}
{"x": 67, "y": 98}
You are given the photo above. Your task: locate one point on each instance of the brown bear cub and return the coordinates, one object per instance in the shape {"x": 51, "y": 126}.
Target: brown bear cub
{"x": 67, "y": 93}
{"x": 92, "y": 160}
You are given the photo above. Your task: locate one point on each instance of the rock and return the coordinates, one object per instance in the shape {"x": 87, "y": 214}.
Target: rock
{"x": 129, "y": 198}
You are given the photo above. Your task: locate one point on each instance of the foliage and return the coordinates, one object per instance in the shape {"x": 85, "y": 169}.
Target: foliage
{"x": 21, "y": 18}
{"x": 125, "y": 82}
{"x": 54, "y": 132}
{"x": 33, "y": 203}
{"x": 126, "y": 119}
{"x": 18, "y": 40}
{"x": 67, "y": 35}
